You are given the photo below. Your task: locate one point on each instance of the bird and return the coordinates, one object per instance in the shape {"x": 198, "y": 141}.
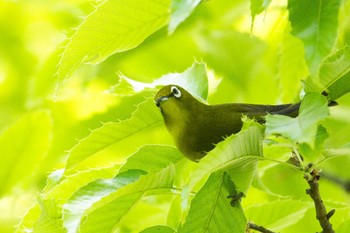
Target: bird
{"x": 197, "y": 127}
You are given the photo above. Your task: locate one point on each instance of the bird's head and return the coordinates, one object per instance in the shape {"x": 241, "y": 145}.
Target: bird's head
{"x": 170, "y": 95}
{"x": 175, "y": 102}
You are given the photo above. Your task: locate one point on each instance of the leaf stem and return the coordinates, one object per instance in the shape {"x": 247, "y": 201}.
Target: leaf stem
{"x": 258, "y": 228}
{"x": 314, "y": 192}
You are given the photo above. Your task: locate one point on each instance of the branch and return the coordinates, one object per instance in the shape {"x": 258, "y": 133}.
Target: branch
{"x": 258, "y": 228}
{"x": 314, "y": 192}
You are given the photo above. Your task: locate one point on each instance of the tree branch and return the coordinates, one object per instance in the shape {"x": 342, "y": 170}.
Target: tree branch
{"x": 258, "y": 228}
{"x": 314, "y": 192}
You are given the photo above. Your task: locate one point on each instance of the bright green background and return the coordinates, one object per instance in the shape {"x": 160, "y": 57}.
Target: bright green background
{"x": 45, "y": 115}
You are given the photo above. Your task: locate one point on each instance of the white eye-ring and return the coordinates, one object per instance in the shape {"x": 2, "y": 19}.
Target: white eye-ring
{"x": 176, "y": 92}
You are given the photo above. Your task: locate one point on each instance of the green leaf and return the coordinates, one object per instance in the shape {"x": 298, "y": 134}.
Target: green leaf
{"x": 68, "y": 185}
{"x": 315, "y": 23}
{"x": 158, "y": 229}
{"x": 50, "y": 219}
{"x": 335, "y": 67}
{"x": 340, "y": 87}
{"x": 28, "y": 221}
{"x": 303, "y": 128}
{"x": 238, "y": 155}
{"x": 24, "y": 144}
{"x": 152, "y": 158}
{"x": 258, "y": 6}
{"x": 194, "y": 80}
{"x": 311, "y": 154}
{"x": 87, "y": 195}
{"x": 180, "y": 10}
{"x": 335, "y": 73}
{"x": 148, "y": 159}
{"x": 114, "y": 26}
{"x": 145, "y": 117}
{"x": 105, "y": 214}
{"x": 211, "y": 210}
{"x": 281, "y": 213}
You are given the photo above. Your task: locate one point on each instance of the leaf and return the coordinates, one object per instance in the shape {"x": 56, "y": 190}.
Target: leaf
{"x": 158, "y": 229}
{"x": 29, "y": 219}
{"x": 310, "y": 154}
{"x": 335, "y": 66}
{"x": 238, "y": 155}
{"x": 72, "y": 183}
{"x": 152, "y": 158}
{"x": 50, "y": 220}
{"x": 194, "y": 80}
{"x": 340, "y": 87}
{"x": 148, "y": 159}
{"x": 180, "y": 10}
{"x": 24, "y": 144}
{"x": 315, "y": 23}
{"x": 281, "y": 213}
{"x": 105, "y": 214}
{"x": 87, "y": 195}
{"x": 211, "y": 210}
{"x": 114, "y": 26}
{"x": 303, "y": 128}
{"x": 258, "y": 6}
{"x": 145, "y": 117}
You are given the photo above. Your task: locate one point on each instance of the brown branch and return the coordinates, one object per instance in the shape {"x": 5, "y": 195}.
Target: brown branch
{"x": 258, "y": 228}
{"x": 314, "y": 192}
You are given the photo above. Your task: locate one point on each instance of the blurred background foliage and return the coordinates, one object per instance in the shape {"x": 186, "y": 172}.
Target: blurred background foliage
{"x": 41, "y": 118}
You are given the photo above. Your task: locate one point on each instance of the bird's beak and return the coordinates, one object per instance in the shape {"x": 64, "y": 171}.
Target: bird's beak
{"x": 161, "y": 99}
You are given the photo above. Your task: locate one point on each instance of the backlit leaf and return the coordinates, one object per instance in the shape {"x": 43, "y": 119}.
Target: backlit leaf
{"x": 211, "y": 210}
{"x": 315, "y": 23}
{"x": 105, "y": 214}
{"x": 194, "y": 80}
{"x": 303, "y": 128}
{"x": 145, "y": 117}
{"x": 114, "y": 26}
{"x": 180, "y": 10}
{"x": 238, "y": 155}
{"x": 24, "y": 144}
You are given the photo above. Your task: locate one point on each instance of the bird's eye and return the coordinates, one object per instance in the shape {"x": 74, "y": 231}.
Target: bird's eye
{"x": 176, "y": 92}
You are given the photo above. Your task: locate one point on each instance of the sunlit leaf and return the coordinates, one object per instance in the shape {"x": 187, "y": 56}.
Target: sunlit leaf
{"x": 86, "y": 196}
{"x": 28, "y": 221}
{"x": 238, "y": 155}
{"x": 152, "y": 158}
{"x": 311, "y": 154}
{"x": 315, "y": 23}
{"x": 335, "y": 67}
{"x": 50, "y": 219}
{"x": 194, "y": 80}
{"x": 158, "y": 229}
{"x": 180, "y": 10}
{"x": 303, "y": 128}
{"x": 24, "y": 144}
{"x": 211, "y": 210}
{"x": 105, "y": 214}
{"x": 340, "y": 87}
{"x": 258, "y": 6}
{"x": 114, "y": 26}
{"x": 145, "y": 117}
{"x": 281, "y": 213}
{"x": 72, "y": 183}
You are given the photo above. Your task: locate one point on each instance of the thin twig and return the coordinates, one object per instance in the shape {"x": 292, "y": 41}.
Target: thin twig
{"x": 258, "y": 228}
{"x": 314, "y": 192}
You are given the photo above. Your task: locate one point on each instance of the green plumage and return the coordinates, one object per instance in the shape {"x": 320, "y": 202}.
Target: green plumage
{"x": 196, "y": 127}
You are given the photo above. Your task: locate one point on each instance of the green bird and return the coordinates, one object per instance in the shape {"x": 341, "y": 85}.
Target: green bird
{"x": 196, "y": 127}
